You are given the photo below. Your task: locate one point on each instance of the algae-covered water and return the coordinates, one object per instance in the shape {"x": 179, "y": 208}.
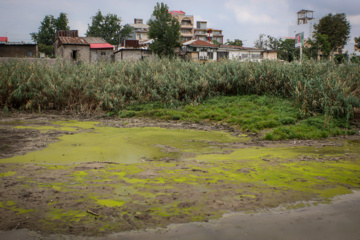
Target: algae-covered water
{"x": 89, "y": 142}
{"x": 135, "y": 178}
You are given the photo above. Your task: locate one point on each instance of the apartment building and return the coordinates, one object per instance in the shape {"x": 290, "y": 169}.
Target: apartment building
{"x": 202, "y": 32}
{"x": 186, "y": 25}
{"x": 140, "y": 30}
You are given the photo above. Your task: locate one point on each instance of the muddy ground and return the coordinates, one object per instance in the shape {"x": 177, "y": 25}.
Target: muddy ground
{"x": 60, "y": 199}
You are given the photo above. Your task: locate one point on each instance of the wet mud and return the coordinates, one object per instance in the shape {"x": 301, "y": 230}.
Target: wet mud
{"x": 56, "y": 180}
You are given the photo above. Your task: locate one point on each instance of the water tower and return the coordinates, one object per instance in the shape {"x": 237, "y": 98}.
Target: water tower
{"x": 304, "y": 16}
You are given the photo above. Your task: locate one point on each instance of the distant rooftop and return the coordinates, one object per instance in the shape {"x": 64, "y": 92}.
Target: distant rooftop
{"x": 199, "y": 43}
{"x": 174, "y": 12}
{"x": 304, "y": 11}
{"x": 3, "y": 39}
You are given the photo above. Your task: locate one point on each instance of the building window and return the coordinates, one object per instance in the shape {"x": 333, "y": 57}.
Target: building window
{"x": 29, "y": 53}
{"x": 244, "y": 56}
{"x": 255, "y": 56}
{"x": 140, "y": 36}
{"x": 103, "y": 53}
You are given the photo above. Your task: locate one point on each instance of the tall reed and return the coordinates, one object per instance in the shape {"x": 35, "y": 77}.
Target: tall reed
{"x": 317, "y": 87}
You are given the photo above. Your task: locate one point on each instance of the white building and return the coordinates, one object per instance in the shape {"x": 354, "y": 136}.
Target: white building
{"x": 305, "y": 24}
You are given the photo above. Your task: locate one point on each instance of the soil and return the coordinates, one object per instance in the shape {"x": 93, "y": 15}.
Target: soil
{"x": 35, "y": 187}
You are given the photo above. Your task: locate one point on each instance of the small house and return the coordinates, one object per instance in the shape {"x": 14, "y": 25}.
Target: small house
{"x": 198, "y": 50}
{"x": 81, "y": 49}
{"x": 240, "y": 53}
{"x": 17, "y": 49}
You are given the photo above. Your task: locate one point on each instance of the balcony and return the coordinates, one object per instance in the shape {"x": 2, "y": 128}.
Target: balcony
{"x": 186, "y": 34}
{"x": 186, "y": 26}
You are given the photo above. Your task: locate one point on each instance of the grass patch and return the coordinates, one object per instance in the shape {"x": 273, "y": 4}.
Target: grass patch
{"x": 250, "y": 113}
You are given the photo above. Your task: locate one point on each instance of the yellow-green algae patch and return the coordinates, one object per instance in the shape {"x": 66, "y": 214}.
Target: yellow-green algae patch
{"x": 128, "y": 145}
{"x": 68, "y": 126}
{"x": 7, "y": 174}
{"x": 210, "y": 183}
{"x": 110, "y": 203}
{"x": 11, "y": 205}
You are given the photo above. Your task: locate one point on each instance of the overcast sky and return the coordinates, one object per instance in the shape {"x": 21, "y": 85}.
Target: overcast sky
{"x": 241, "y": 19}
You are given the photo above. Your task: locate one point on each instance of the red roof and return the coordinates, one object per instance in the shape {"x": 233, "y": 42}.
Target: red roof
{"x": 101, "y": 46}
{"x": 3, "y": 39}
{"x": 176, "y": 12}
{"x": 200, "y": 43}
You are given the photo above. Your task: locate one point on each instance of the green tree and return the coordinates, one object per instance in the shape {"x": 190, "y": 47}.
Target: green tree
{"x": 165, "y": 30}
{"x": 318, "y": 44}
{"x": 357, "y": 42}
{"x": 287, "y": 50}
{"x": 62, "y": 22}
{"x": 46, "y": 35}
{"x": 272, "y": 43}
{"x": 337, "y": 29}
{"x": 125, "y": 32}
{"x": 236, "y": 42}
{"x": 108, "y": 27}
{"x": 260, "y": 42}
{"x": 215, "y": 42}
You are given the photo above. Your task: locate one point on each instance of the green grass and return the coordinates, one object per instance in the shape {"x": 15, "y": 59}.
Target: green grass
{"x": 250, "y": 113}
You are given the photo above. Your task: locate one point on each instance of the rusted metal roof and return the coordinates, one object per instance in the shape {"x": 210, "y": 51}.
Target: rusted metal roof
{"x": 73, "y": 41}
{"x": 101, "y": 46}
{"x": 94, "y": 40}
{"x": 67, "y": 33}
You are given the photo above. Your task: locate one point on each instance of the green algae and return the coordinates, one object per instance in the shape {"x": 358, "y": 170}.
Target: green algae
{"x": 110, "y": 203}
{"x": 68, "y": 215}
{"x": 44, "y": 129}
{"x": 260, "y": 176}
{"x": 7, "y": 174}
{"x": 128, "y": 145}
{"x": 11, "y": 205}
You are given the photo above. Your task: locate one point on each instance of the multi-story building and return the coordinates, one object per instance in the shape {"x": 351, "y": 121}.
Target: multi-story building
{"x": 186, "y": 25}
{"x": 140, "y": 30}
{"x": 202, "y": 32}
{"x": 305, "y": 24}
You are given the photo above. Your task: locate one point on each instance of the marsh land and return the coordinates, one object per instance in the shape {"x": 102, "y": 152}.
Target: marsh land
{"x": 96, "y": 176}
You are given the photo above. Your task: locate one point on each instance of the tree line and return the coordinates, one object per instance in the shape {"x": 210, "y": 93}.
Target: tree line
{"x": 330, "y": 36}
{"x": 106, "y": 26}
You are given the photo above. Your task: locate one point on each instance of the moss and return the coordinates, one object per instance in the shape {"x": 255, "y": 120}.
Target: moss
{"x": 7, "y": 174}
{"x": 261, "y": 177}
{"x": 11, "y": 205}
{"x": 124, "y": 145}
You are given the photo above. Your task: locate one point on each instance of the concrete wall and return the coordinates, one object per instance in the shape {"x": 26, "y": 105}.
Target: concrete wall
{"x": 132, "y": 55}
{"x": 66, "y": 52}
{"x": 270, "y": 55}
{"x": 101, "y": 55}
{"x": 50, "y": 61}
{"x": 18, "y": 50}
{"x": 193, "y": 56}
{"x": 235, "y": 55}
